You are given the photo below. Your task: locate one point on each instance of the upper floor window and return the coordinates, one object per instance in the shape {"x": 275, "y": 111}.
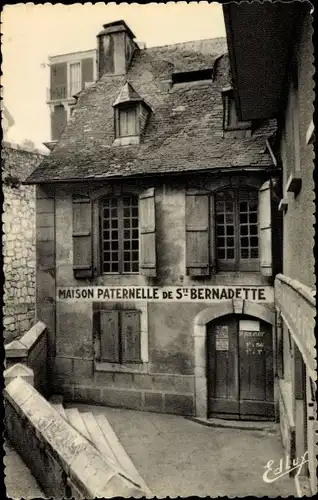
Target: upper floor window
{"x": 236, "y": 224}
{"x": 120, "y": 235}
{"x": 229, "y": 230}
{"x": 114, "y": 234}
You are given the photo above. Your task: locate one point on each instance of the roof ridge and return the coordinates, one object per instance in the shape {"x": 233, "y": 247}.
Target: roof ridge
{"x": 183, "y": 43}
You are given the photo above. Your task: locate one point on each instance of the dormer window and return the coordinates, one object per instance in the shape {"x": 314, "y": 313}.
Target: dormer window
{"x": 230, "y": 119}
{"x": 192, "y": 76}
{"x": 127, "y": 125}
{"x": 131, "y": 116}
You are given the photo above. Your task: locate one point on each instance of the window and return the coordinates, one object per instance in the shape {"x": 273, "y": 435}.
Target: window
{"x": 114, "y": 234}
{"x": 127, "y": 121}
{"x": 237, "y": 230}
{"x": 192, "y": 76}
{"x": 120, "y": 235}
{"x": 229, "y": 230}
{"x": 75, "y": 78}
{"x": 119, "y": 335}
{"x": 230, "y": 119}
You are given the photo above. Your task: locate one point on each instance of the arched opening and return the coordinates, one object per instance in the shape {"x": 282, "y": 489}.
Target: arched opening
{"x": 233, "y": 345}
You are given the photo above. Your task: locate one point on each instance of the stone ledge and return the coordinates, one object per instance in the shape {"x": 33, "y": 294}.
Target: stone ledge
{"x": 83, "y": 464}
{"x": 299, "y": 287}
{"x": 20, "y": 348}
{"x": 18, "y": 370}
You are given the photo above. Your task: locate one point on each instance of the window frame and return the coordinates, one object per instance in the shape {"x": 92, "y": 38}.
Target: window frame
{"x": 237, "y": 263}
{"x": 120, "y": 218}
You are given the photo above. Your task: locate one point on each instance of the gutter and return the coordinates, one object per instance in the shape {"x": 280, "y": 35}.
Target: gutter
{"x": 266, "y": 168}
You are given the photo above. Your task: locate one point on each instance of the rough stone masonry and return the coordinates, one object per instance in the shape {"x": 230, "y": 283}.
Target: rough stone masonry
{"x": 18, "y": 239}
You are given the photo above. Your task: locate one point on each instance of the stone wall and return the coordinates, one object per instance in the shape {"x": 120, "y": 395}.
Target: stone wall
{"x": 19, "y": 239}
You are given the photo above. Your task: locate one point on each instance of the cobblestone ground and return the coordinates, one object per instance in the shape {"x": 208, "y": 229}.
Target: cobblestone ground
{"x": 19, "y": 481}
{"x": 179, "y": 457}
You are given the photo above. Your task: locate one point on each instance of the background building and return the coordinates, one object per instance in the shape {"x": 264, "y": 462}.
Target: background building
{"x": 273, "y": 76}
{"x": 69, "y": 74}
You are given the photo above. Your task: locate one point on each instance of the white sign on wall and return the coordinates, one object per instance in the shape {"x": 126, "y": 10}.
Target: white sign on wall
{"x": 167, "y": 294}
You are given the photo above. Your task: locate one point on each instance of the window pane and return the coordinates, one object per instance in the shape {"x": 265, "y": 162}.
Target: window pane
{"x": 230, "y": 253}
{"x": 253, "y": 217}
{"x": 244, "y": 230}
{"x": 254, "y": 253}
{"x": 115, "y": 267}
{"x": 229, "y": 230}
{"x": 253, "y": 229}
{"x": 254, "y": 242}
{"x": 221, "y": 242}
{"x": 244, "y": 242}
{"x": 221, "y": 253}
{"x": 117, "y": 242}
{"x": 244, "y": 253}
{"x": 230, "y": 242}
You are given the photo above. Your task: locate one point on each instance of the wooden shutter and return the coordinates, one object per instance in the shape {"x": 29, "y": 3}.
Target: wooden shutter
{"x": 147, "y": 219}
{"x": 197, "y": 233}
{"x": 265, "y": 229}
{"x": 130, "y": 336}
{"x": 109, "y": 336}
{"x": 82, "y": 238}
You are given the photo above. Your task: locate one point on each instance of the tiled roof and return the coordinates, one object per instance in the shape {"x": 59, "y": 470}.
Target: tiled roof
{"x": 185, "y": 128}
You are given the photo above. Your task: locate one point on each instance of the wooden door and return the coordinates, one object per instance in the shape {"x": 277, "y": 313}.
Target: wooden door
{"x": 240, "y": 369}
{"x": 223, "y": 383}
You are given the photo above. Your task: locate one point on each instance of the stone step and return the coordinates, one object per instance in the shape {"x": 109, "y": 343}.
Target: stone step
{"x": 120, "y": 453}
{"x": 60, "y": 408}
{"x": 75, "y": 419}
{"x": 98, "y": 439}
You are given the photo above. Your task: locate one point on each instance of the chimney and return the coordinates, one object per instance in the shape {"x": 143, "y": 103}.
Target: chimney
{"x": 115, "y": 50}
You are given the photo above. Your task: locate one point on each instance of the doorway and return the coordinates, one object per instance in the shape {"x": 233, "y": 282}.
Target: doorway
{"x": 240, "y": 368}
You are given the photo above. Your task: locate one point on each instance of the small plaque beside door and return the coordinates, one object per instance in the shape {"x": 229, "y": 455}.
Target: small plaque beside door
{"x": 222, "y": 338}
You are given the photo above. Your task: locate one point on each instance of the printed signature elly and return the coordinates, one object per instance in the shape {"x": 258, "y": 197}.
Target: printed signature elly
{"x": 285, "y": 467}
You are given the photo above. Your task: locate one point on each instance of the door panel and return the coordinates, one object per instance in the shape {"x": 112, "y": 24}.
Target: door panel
{"x": 255, "y": 368}
{"x": 240, "y": 369}
{"x": 222, "y": 367}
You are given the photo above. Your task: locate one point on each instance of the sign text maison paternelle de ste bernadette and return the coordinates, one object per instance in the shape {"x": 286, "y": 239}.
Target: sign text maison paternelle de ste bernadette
{"x": 171, "y": 293}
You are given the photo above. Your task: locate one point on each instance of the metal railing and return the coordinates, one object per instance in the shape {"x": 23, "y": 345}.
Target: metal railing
{"x": 63, "y": 91}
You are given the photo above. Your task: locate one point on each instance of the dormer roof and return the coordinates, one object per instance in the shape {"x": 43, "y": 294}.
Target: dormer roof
{"x": 127, "y": 94}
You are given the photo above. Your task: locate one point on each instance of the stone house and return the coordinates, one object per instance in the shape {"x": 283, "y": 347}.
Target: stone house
{"x": 69, "y": 74}
{"x": 18, "y": 239}
{"x": 158, "y": 238}
{"x": 288, "y": 95}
